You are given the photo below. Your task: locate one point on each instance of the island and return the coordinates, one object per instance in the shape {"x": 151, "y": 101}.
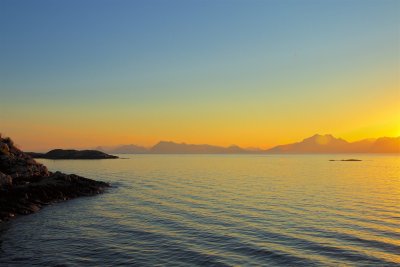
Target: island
{"x": 26, "y": 185}
{"x": 72, "y": 154}
{"x": 345, "y": 160}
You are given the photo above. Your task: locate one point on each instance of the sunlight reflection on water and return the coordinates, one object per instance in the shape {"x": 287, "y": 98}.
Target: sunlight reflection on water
{"x": 219, "y": 210}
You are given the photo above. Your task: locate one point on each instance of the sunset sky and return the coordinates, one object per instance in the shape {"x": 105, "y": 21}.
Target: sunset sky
{"x": 77, "y": 74}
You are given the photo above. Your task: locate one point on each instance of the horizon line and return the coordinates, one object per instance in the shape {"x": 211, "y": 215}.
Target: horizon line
{"x": 248, "y": 149}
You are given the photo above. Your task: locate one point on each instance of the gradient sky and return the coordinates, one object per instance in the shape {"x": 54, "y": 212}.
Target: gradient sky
{"x": 251, "y": 73}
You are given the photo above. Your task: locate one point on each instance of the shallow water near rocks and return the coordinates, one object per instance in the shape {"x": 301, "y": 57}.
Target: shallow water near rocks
{"x": 218, "y": 210}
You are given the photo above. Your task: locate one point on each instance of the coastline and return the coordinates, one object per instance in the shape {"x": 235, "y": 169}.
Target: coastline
{"x": 26, "y": 185}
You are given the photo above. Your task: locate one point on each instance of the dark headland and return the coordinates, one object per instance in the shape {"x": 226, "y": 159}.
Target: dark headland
{"x": 26, "y": 185}
{"x": 72, "y": 154}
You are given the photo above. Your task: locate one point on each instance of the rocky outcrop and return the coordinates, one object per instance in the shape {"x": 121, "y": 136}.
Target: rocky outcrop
{"x": 17, "y": 164}
{"x": 72, "y": 154}
{"x": 5, "y": 180}
{"x": 26, "y": 185}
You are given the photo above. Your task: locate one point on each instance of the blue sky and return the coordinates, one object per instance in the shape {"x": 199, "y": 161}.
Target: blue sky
{"x": 184, "y": 57}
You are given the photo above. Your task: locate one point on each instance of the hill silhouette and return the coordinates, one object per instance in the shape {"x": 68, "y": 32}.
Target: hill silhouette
{"x": 72, "y": 154}
{"x": 164, "y": 147}
{"x": 329, "y": 144}
{"x": 124, "y": 149}
{"x": 315, "y": 144}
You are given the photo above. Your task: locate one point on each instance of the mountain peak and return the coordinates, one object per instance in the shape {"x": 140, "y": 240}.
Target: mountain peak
{"x": 322, "y": 139}
{"x": 166, "y": 143}
{"x": 327, "y": 143}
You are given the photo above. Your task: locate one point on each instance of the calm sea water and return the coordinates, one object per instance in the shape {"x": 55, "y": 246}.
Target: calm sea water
{"x": 218, "y": 210}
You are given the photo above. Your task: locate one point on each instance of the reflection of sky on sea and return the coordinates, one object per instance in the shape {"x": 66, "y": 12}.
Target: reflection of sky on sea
{"x": 220, "y": 209}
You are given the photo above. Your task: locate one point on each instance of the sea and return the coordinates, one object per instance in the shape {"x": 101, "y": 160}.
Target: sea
{"x": 218, "y": 210}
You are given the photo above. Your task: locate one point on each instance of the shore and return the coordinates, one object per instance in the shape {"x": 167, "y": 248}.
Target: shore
{"x": 26, "y": 185}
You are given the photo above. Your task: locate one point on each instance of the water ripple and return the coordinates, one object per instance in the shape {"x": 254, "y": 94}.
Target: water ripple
{"x": 215, "y": 210}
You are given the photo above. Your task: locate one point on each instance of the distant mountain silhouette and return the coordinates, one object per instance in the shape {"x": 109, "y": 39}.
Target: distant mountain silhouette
{"x": 124, "y": 149}
{"x": 329, "y": 144}
{"x": 164, "y": 147}
{"x": 386, "y": 145}
{"x": 315, "y": 144}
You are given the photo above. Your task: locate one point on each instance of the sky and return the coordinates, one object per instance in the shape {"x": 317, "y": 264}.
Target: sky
{"x": 77, "y": 74}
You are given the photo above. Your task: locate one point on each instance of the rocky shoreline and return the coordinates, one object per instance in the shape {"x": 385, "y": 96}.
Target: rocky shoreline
{"x": 26, "y": 185}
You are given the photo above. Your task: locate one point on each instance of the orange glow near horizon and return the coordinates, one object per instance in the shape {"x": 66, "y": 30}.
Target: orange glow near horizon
{"x": 220, "y": 123}
{"x": 42, "y": 137}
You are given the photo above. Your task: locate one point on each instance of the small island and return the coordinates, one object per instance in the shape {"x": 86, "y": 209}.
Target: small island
{"x": 72, "y": 154}
{"x": 26, "y": 185}
{"x": 345, "y": 160}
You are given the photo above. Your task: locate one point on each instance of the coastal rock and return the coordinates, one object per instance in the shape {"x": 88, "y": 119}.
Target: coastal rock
{"x": 26, "y": 185}
{"x": 5, "y": 180}
{"x": 17, "y": 164}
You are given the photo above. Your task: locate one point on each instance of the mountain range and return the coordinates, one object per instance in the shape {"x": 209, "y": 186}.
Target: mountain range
{"x": 329, "y": 144}
{"x": 314, "y": 144}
